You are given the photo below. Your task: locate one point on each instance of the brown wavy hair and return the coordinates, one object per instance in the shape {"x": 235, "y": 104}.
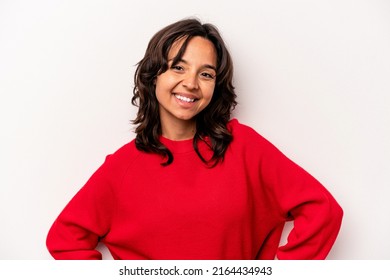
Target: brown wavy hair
{"x": 210, "y": 122}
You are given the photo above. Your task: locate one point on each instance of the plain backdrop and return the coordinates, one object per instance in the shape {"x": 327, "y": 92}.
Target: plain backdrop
{"x": 313, "y": 77}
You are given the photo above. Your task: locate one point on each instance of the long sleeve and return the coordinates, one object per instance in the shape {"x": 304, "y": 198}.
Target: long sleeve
{"x": 78, "y": 229}
{"x": 301, "y": 198}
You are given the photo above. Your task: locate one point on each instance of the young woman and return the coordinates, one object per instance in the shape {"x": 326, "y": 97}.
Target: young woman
{"x": 194, "y": 183}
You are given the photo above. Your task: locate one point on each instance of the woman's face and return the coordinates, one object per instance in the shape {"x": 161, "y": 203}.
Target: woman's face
{"x": 187, "y": 87}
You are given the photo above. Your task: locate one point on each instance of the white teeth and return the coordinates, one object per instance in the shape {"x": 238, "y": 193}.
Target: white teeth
{"x": 183, "y": 98}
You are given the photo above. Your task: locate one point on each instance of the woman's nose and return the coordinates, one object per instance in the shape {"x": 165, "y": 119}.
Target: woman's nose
{"x": 191, "y": 81}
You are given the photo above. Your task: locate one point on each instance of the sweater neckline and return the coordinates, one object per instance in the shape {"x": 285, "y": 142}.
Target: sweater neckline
{"x": 186, "y": 146}
{"x": 178, "y": 146}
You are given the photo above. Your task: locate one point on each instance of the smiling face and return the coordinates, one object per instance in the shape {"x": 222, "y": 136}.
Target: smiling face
{"x": 187, "y": 87}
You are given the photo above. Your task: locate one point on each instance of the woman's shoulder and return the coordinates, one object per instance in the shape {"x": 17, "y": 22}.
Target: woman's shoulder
{"x": 242, "y": 130}
{"x": 248, "y": 137}
{"x": 126, "y": 154}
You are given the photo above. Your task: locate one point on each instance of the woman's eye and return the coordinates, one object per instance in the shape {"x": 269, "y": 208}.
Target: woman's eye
{"x": 177, "y": 67}
{"x": 207, "y": 75}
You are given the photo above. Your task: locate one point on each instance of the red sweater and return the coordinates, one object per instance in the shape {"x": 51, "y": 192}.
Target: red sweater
{"x": 142, "y": 210}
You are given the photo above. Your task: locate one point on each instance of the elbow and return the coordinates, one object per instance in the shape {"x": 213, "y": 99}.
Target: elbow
{"x": 337, "y": 213}
{"x": 50, "y": 245}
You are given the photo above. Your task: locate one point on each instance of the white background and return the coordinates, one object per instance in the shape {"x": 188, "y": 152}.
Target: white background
{"x": 311, "y": 76}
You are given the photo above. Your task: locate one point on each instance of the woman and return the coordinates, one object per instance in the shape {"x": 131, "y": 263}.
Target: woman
{"x": 194, "y": 183}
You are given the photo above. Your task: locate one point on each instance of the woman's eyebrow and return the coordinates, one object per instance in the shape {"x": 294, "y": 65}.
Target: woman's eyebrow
{"x": 210, "y": 66}
{"x": 203, "y": 66}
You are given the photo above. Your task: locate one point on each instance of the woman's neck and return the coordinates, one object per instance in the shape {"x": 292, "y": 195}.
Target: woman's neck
{"x": 180, "y": 130}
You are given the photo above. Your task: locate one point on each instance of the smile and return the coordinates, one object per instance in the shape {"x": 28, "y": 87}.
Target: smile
{"x": 185, "y": 99}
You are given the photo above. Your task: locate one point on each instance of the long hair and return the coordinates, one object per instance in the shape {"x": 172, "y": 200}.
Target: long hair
{"x": 210, "y": 122}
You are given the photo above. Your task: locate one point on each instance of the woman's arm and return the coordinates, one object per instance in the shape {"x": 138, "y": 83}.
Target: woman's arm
{"x": 78, "y": 229}
{"x": 316, "y": 214}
